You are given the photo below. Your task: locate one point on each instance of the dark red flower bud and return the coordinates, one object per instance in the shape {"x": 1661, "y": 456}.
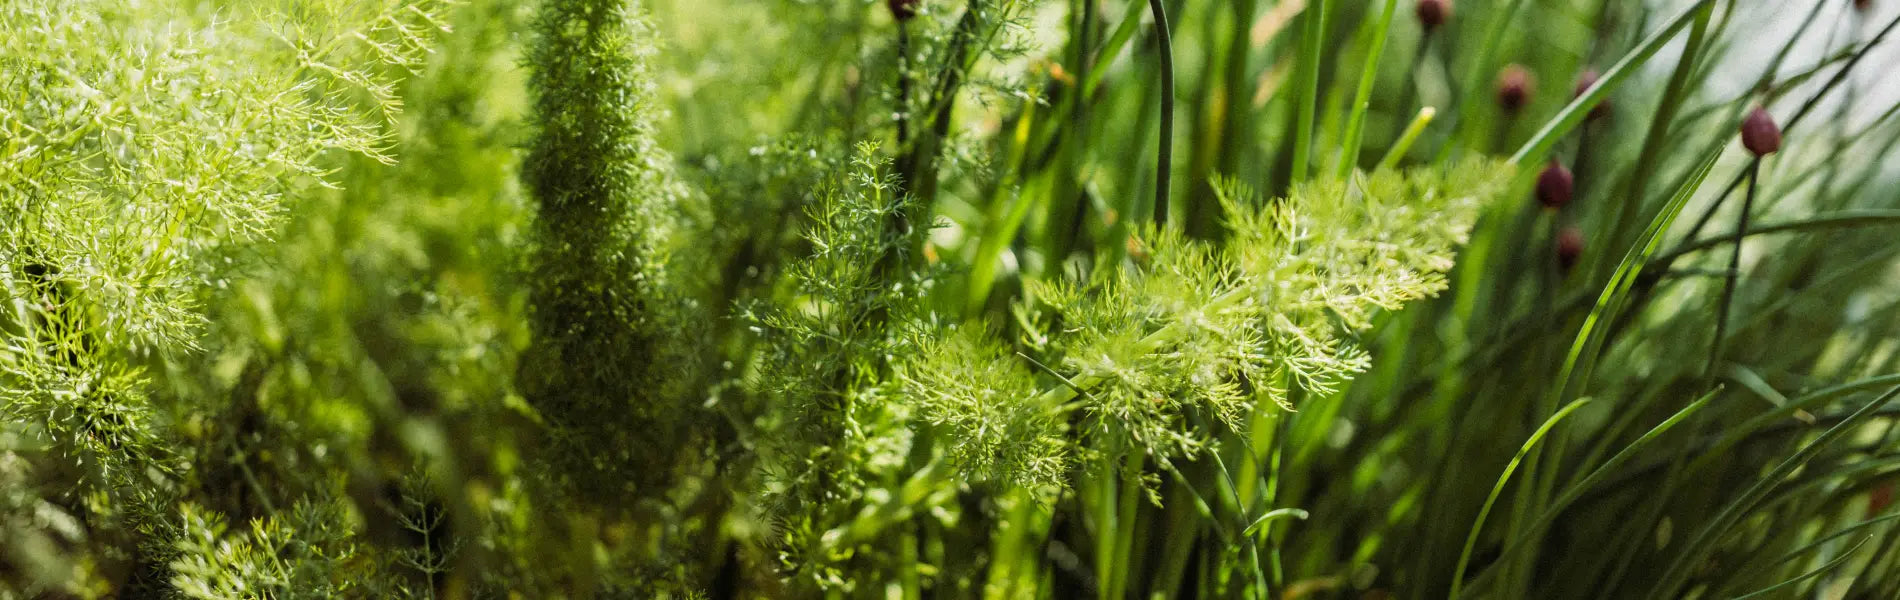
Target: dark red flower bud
{"x": 903, "y": 10}
{"x": 1569, "y": 246}
{"x": 1863, "y": 5}
{"x": 1432, "y": 13}
{"x": 1554, "y": 186}
{"x": 1515, "y": 86}
{"x": 1586, "y": 81}
{"x": 1879, "y": 498}
{"x": 1760, "y": 134}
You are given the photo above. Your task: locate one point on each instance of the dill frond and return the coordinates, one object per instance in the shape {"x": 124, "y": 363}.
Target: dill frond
{"x": 1187, "y": 327}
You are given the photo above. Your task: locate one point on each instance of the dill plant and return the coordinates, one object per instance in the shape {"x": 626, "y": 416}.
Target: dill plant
{"x": 148, "y": 145}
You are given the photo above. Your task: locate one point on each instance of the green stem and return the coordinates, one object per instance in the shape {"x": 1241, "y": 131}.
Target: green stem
{"x": 1106, "y": 530}
{"x": 1734, "y": 273}
{"x": 1659, "y": 130}
{"x": 1800, "y": 114}
{"x": 1309, "y": 86}
{"x": 1534, "y": 150}
{"x": 1404, "y": 145}
{"x": 1164, "y": 159}
{"x": 1481, "y": 69}
{"x": 1839, "y": 219}
{"x": 1471, "y": 539}
{"x": 1355, "y": 127}
{"x": 1125, "y": 523}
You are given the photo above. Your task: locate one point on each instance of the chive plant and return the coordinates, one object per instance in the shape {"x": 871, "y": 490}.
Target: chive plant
{"x": 947, "y": 299}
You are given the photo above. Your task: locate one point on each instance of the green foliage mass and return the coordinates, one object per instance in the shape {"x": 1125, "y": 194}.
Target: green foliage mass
{"x": 611, "y": 366}
{"x": 944, "y": 298}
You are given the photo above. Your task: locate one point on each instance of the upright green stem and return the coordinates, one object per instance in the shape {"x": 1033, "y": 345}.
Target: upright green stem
{"x": 1164, "y": 152}
{"x": 1127, "y": 505}
{"x": 1734, "y": 272}
{"x": 1481, "y": 69}
{"x": 903, "y": 87}
{"x": 1309, "y": 86}
{"x": 1361, "y": 102}
{"x": 1118, "y": 493}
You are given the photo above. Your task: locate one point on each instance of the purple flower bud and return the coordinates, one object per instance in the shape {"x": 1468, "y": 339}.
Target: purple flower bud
{"x": 1760, "y": 134}
{"x": 1569, "y": 247}
{"x": 1586, "y": 81}
{"x": 1432, "y": 13}
{"x": 903, "y": 10}
{"x": 1515, "y": 86}
{"x": 1554, "y": 186}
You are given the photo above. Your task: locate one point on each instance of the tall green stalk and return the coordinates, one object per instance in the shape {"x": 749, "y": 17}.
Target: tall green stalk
{"x": 1310, "y": 61}
{"x": 1362, "y": 100}
{"x": 1164, "y": 148}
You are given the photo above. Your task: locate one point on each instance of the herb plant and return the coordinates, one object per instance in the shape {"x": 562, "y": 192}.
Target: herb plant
{"x": 948, "y": 298}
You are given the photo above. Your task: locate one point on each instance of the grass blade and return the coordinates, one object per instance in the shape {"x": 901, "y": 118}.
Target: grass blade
{"x": 1362, "y": 101}
{"x": 1573, "y": 114}
{"x": 1798, "y": 578}
{"x": 1471, "y": 540}
{"x": 1592, "y": 336}
{"x": 1700, "y": 545}
{"x": 1311, "y": 41}
{"x": 1576, "y": 490}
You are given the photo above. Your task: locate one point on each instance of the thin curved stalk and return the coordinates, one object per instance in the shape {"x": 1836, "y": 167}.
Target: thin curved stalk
{"x": 1804, "y": 576}
{"x": 1839, "y": 219}
{"x": 1700, "y": 545}
{"x": 1471, "y": 539}
{"x": 1397, "y": 152}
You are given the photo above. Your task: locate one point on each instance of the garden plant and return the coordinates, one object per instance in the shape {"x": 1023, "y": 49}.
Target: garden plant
{"x": 907, "y": 299}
